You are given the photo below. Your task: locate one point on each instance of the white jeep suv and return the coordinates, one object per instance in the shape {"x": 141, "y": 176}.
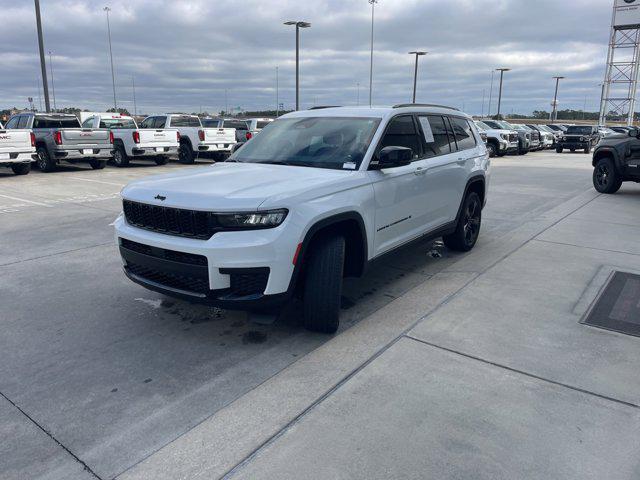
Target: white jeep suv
{"x": 315, "y": 197}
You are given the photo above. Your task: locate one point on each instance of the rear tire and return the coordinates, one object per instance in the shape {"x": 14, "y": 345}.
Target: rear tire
{"x": 587, "y": 149}
{"x": 185, "y": 154}
{"x": 98, "y": 164}
{"x": 21, "y": 168}
{"x": 468, "y": 228}
{"x": 491, "y": 148}
{"x": 161, "y": 160}
{"x": 559, "y": 149}
{"x": 323, "y": 285}
{"x": 605, "y": 177}
{"x": 120, "y": 157}
{"x": 45, "y": 162}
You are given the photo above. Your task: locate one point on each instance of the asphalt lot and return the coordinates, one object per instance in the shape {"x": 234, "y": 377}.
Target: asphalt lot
{"x": 97, "y": 368}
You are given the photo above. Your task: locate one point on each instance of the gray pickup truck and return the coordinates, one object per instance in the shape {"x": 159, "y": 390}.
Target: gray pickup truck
{"x": 59, "y": 137}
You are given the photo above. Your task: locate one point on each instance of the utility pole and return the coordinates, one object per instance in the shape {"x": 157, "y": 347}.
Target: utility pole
{"x": 53, "y": 87}
{"x": 483, "y": 96}
{"x": 43, "y": 66}
{"x": 415, "y": 73}
{"x": 113, "y": 77}
{"x": 277, "y": 93}
{"x": 358, "y": 94}
{"x": 226, "y": 102}
{"x": 373, "y": 8}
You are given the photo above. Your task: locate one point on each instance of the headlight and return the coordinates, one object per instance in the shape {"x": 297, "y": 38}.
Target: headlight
{"x": 252, "y": 220}
{"x": 582, "y": 139}
{"x": 504, "y": 136}
{"x": 564, "y": 139}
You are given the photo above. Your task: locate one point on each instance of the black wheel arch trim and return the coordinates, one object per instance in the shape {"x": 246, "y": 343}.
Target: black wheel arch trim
{"x": 609, "y": 151}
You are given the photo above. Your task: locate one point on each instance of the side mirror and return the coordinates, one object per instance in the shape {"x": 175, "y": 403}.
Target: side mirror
{"x": 391, "y": 157}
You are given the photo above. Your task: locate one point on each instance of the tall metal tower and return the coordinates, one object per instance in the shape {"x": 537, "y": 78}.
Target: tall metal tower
{"x": 623, "y": 60}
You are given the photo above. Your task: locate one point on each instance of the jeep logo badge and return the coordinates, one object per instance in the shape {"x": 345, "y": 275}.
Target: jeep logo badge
{"x": 160, "y": 197}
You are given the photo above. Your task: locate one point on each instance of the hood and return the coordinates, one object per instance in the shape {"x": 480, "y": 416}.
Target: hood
{"x": 231, "y": 186}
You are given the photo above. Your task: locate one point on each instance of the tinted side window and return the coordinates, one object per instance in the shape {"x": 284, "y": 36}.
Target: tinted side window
{"x": 463, "y": 133}
{"x": 22, "y": 121}
{"x": 12, "y": 123}
{"x": 67, "y": 122}
{"x": 238, "y": 125}
{"x": 435, "y": 135}
{"x": 88, "y": 123}
{"x": 402, "y": 132}
{"x": 159, "y": 122}
{"x": 452, "y": 141}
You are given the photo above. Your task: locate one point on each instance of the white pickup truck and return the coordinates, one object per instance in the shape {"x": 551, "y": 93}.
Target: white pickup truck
{"x": 133, "y": 143}
{"x": 196, "y": 139}
{"x": 17, "y": 149}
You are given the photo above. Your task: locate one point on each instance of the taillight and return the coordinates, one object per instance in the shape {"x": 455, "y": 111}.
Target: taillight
{"x": 201, "y": 135}
{"x": 178, "y": 136}
{"x": 57, "y": 137}
{"x": 33, "y": 139}
{"x": 136, "y": 137}
{"x": 248, "y": 135}
{"x": 111, "y": 137}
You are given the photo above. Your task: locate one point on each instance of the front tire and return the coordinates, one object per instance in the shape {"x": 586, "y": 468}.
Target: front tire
{"x": 98, "y": 164}
{"x": 559, "y": 149}
{"x": 605, "y": 177}
{"x": 120, "y": 157}
{"x": 323, "y": 285}
{"x": 21, "y": 168}
{"x": 45, "y": 162}
{"x": 587, "y": 149}
{"x": 468, "y": 228}
{"x": 491, "y": 148}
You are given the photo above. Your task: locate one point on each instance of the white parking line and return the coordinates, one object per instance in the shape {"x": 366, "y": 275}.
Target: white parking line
{"x": 96, "y": 181}
{"x": 25, "y": 201}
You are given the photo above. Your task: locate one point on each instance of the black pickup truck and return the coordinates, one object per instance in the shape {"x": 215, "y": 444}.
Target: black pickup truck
{"x": 616, "y": 159}
{"x": 578, "y": 137}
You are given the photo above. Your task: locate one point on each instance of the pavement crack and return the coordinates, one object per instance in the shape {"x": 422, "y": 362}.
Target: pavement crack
{"x": 585, "y": 247}
{"x": 86, "y": 467}
{"x": 522, "y": 372}
{"x": 56, "y": 253}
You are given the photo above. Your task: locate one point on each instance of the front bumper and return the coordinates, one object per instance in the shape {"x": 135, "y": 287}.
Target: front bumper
{"x": 506, "y": 146}
{"x": 574, "y": 144}
{"x": 83, "y": 153}
{"x": 232, "y": 270}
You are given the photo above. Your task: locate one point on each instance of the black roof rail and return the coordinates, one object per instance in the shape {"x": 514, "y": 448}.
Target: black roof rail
{"x": 320, "y": 107}
{"x": 403, "y": 105}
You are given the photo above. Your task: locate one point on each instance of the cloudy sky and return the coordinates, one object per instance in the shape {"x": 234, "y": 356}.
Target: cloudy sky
{"x": 184, "y": 54}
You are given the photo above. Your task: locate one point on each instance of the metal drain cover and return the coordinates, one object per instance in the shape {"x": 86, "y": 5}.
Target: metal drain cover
{"x": 617, "y": 307}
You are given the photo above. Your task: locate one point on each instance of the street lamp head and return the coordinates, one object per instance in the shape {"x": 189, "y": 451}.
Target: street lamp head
{"x": 418, "y": 53}
{"x": 298, "y": 24}
{"x": 559, "y": 78}
{"x": 503, "y": 69}
{"x": 373, "y": 2}
{"x": 106, "y": 9}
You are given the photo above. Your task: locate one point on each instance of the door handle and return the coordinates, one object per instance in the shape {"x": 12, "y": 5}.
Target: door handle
{"x": 461, "y": 161}
{"x": 420, "y": 171}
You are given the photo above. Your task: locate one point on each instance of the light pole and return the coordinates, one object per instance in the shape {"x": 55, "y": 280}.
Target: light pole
{"x": 53, "y": 87}
{"x": 490, "y": 95}
{"x": 554, "y": 111}
{"x": 277, "y": 93}
{"x": 358, "y": 94}
{"x": 43, "y": 66}
{"x": 373, "y": 9}
{"x": 501, "y": 70}
{"x": 113, "y": 77}
{"x": 299, "y": 25}
{"x": 415, "y": 73}
{"x": 135, "y": 107}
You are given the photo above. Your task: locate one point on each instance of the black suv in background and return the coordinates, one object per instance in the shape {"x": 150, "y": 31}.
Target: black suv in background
{"x": 616, "y": 159}
{"x": 578, "y": 137}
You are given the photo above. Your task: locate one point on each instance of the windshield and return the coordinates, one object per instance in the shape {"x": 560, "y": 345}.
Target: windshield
{"x": 579, "y": 130}
{"x": 483, "y": 126}
{"x": 544, "y": 128}
{"x": 504, "y": 125}
{"x": 520, "y": 128}
{"x": 322, "y": 142}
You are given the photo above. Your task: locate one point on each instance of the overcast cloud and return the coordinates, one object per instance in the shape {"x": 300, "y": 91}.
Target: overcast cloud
{"x": 185, "y": 53}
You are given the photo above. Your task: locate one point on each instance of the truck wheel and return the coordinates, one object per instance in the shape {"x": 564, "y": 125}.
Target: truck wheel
{"x": 491, "y": 148}
{"x": 120, "y": 157}
{"x": 605, "y": 176}
{"x": 323, "y": 285}
{"x": 572, "y": 150}
{"x": 45, "y": 162}
{"x": 98, "y": 164}
{"x": 185, "y": 154}
{"x": 161, "y": 160}
{"x": 559, "y": 149}
{"x": 587, "y": 149}
{"x": 468, "y": 227}
{"x": 501, "y": 154}
{"x": 21, "y": 168}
